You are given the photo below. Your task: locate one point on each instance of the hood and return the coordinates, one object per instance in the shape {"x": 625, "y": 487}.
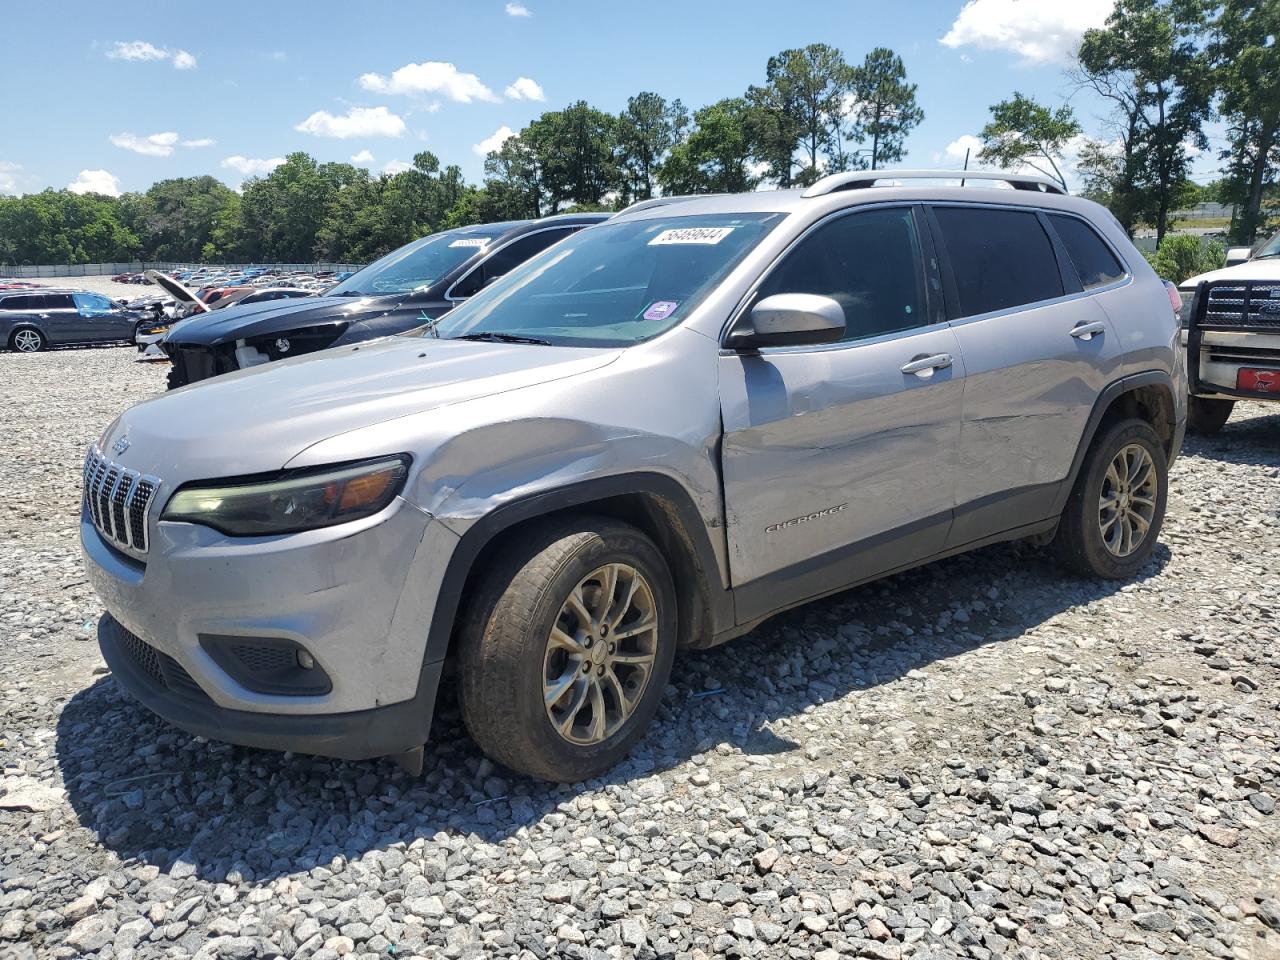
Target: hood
{"x": 175, "y": 289}
{"x": 257, "y": 420}
{"x": 1268, "y": 269}
{"x": 245, "y": 321}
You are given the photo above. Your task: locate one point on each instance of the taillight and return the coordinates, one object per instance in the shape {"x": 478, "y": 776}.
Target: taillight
{"x": 1175, "y": 298}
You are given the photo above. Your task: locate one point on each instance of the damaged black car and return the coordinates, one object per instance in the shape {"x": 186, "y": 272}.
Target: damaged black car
{"x": 405, "y": 289}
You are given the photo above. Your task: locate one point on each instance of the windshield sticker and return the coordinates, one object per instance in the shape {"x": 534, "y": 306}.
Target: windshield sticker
{"x": 661, "y": 309}
{"x": 702, "y": 235}
{"x": 471, "y": 242}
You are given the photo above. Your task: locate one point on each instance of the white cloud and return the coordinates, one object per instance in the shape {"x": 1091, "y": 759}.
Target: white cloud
{"x": 11, "y": 177}
{"x": 95, "y": 181}
{"x": 518, "y": 10}
{"x": 954, "y": 152}
{"x": 491, "y": 143}
{"x": 396, "y": 166}
{"x": 136, "y": 50}
{"x": 525, "y": 89}
{"x": 433, "y": 76}
{"x": 356, "y": 122}
{"x": 141, "y": 50}
{"x": 156, "y": 144}
{"x": 1039, "y": 31}
{"x": 364, "y": 158}
{"x": 251, "y": 167}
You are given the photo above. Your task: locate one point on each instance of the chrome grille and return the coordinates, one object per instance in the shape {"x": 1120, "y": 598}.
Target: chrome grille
{"x": 1247, "y": 305}
{"x": 119, "y": 502}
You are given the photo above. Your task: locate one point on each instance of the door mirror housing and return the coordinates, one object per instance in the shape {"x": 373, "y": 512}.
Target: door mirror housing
{"x": 1237, "y": 255}
{"x": 789, "y": 320}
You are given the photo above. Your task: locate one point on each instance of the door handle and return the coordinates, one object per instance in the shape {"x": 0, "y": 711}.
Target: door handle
{"x": 924, "y": 367}
{"x": 43, "y": 316}
{"x": 1086, "y": 331}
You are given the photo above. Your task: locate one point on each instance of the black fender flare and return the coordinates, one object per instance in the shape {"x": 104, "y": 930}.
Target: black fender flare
{"x": 1112, "y": 392}
{"x": 582, "y": 494}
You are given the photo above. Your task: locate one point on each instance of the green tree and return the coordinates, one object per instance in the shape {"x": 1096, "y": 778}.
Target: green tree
{"x": 884, "y": 106}
{"x": 1147, "y": 62}
{"x": 1246, "y": 59}
{"x": 1183, "y": 255}
{"x": 175, "y": 219}
{"x": 1023, "y": 131}
{"x": 716, "y": 157}
{"x": 647, "y": 130}
{"x": 808, "y": 87}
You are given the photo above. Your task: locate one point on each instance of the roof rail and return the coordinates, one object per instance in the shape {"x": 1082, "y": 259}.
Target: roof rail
{"x": 857, "y": 179}
{"x": 664, "y": 201}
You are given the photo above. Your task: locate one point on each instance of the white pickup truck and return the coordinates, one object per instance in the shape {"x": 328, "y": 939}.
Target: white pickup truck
{"x": 1231, "y": 329}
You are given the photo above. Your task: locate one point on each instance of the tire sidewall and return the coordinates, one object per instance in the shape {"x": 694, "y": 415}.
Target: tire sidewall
{"x": 577, "y": 760}
{"x": 1120, "y": 436}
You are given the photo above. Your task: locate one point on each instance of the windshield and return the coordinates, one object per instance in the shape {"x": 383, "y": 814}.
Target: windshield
{"x": 611, "y": 285}
{"x": 1269, "y": 249}
{"x": 417, "y": 264}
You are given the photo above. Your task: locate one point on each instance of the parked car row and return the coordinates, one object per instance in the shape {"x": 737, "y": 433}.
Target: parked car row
{"x": 647, "y": 437}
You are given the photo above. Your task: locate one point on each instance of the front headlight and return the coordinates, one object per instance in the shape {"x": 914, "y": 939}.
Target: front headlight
{"x": 291, "y": 502}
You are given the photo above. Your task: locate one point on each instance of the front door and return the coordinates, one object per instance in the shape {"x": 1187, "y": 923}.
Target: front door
{"x": 838, "y": 460}
{"x": 1038, "y": 350}
{"x": 101, "y": 319}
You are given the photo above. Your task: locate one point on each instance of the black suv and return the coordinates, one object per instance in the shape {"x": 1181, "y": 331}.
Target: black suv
{"x": 31, "y": 320}
{"x": 403, "y": 290}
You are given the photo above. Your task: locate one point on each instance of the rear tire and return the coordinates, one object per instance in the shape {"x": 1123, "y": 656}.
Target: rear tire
{"x": 562, "y": 664}
{"x": 1206, "y": 416}
{"x": 1112, "y": 519}
{"x": 27, "y": 340}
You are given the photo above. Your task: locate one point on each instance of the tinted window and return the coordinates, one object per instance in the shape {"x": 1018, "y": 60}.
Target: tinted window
{"x": 505, "y": 260}
{"x": 867, "y": 262}
{"x": 1094, "y": 262}
{"x": 1000, "y": 258}
{"x": 56, "y": 301}
{"x": 17, "y": 303}
{"x": 92, "y": 302}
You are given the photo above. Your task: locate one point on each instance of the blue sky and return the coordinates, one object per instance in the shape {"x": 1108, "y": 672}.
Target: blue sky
{"x": 116, "y": 96}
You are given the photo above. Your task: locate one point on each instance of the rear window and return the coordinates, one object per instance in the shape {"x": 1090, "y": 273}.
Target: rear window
{"x": 1095, "y": 264}
{"x": 56, "y": 301}
{"x": 22, "y": 302}
{"x": 1000, "y": 258}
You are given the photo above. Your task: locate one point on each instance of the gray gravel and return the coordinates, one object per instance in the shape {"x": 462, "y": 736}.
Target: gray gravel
{"x": 978, "y": 759}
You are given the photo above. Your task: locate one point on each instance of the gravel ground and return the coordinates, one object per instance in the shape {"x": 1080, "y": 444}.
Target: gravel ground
{"x": 978, "y": 759}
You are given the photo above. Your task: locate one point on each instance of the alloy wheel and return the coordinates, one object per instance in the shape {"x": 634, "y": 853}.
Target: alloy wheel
{"x": 27, "y": 341}
{"x": 1127, "y": 504}
{"x": 600, "y": 654}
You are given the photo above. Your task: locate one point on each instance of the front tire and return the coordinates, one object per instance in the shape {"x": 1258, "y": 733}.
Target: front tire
{"x": 566, "y": 648}
{"x": 27, "y": 340}
{"x": 1207, "y": 416}
{"x": 1113, "y": 517}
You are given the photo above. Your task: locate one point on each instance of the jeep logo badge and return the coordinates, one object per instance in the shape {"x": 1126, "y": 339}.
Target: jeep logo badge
{"x": 120, "y": 446}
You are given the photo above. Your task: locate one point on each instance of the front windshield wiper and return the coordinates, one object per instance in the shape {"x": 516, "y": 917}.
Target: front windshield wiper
{"x": 495, "y": 336}
{"x": 349, "y": 293}
{"x": 1267, "y": 256}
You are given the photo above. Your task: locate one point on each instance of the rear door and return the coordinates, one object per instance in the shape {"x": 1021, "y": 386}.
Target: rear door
{"x": 839, "y": 460}
{"x": 1038, "y": 351}
{"x": 59, "y": 318}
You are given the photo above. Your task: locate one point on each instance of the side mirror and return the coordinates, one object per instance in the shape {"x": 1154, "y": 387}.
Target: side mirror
{"x": 1237, "y": 255}
{"x": 789, "y": 320}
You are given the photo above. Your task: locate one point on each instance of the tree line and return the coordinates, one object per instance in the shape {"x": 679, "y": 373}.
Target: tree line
{"x": 1163, "y": 68}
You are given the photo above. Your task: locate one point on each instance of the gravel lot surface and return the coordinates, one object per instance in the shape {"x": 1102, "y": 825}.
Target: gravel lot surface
{"x": 978, "y": 759}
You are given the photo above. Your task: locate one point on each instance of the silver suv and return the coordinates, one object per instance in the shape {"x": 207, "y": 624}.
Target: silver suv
{"x": 648, "y": 438}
